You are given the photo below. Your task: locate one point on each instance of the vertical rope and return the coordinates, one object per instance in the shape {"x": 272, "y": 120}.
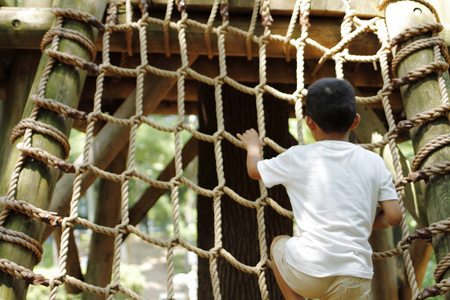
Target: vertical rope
{"x": 129, "y": 36}
{"x": 259, "y": 93}
{"x": 290, "y": 30}
{"x": 300, "y": 44}
{"x": 218, "y": 136}
{"x": 209, "y": 26}
{"x": 251, "y": 29}
{"x": 166, "y": 27}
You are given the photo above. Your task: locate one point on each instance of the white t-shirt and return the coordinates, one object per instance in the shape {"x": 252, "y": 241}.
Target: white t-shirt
{"x": 334, "y": 188}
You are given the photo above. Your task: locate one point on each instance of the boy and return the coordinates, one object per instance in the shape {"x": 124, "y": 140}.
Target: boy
{"x": 334, "y": 187}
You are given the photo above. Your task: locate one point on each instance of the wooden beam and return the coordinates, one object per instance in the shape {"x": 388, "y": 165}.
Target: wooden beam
{"x": 420, "y": 96}
{"x": 281, "y": 71}
{"x": 33, "y": 23}
{"x": 318, "y": 7}
{"x": 115, "y": 90}
{"x": 111, "y": 138}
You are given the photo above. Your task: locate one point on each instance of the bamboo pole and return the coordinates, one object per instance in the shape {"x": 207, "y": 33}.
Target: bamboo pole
{"x": 37, "y": 180}
{"x": 420, "y": 96}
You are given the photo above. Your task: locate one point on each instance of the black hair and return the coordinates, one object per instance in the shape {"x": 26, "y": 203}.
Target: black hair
{"x": 331, "y": 103}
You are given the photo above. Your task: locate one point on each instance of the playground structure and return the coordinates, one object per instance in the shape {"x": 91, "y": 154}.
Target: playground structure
{"x": 399, "y": 66}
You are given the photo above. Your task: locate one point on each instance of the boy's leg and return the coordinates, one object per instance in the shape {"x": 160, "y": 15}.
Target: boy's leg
{"x": 288, "y": 293}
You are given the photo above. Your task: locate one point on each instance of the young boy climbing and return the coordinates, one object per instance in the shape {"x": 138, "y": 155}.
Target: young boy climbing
{"x": 334, "y": 187}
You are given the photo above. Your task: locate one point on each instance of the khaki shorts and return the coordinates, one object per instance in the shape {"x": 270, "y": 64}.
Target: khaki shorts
{"x": 326, "y": 288}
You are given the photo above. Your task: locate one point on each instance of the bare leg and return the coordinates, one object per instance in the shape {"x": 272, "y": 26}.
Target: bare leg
{"x": 288, "y": 293}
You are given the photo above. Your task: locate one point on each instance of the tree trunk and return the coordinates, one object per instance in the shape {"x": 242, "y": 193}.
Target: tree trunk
{"x": 239, "y": 224}
{"x": 420, "y": 96}
{"x": 37, "y": 180}
{"x": 107, "y": 213}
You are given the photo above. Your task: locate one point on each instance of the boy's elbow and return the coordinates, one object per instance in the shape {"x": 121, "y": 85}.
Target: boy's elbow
{"x": 254, "y": 174}
{"x": 394, "y": 218}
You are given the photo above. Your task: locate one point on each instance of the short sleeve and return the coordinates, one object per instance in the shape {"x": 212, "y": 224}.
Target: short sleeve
{"x": 387, "y": 189}
{"x": 275, "y": 170}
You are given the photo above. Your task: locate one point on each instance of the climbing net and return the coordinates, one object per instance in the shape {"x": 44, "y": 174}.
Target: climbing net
{"x": 352, "y": 26}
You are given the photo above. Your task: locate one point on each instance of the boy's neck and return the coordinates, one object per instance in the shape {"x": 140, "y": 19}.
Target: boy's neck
{"x": 332, "y": 136}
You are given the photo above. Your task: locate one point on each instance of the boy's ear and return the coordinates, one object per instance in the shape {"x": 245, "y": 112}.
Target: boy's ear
{"x": 310, "y": 122}
{"x": 355, "y": 122}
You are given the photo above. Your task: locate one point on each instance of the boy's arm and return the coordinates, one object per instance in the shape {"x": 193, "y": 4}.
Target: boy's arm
{"x": 390, "y": 215}
{"x": 252, "y": 143}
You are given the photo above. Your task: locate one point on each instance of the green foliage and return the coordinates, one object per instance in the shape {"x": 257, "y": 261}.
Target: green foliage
{"x": 407, "y": 149}
{"x": 307, "y": 136}
{"x": 77, "y": 141}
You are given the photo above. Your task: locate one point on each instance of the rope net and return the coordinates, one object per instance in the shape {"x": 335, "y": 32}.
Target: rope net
{"x": 351, "y": 27}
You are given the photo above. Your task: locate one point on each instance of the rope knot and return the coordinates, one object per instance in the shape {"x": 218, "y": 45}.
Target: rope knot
{"x": 400, "y": 246}
{"x": 143, "y": 6}
{"x": 121, "y": 228}
{"x": 112, "y": 289}
{"x": 215, "y": 251}
{"x": 218, "y": 191}
{"x": 430, "y": 291}
{"x": 304, "y": 22}
{"x": 175, "y": 181}
{"x": 127, "y": 175}
{"x": 224, "y": 12}
{"x": 416, "y": 176}
{"x": 181, "y": 6}
{"x": 422, "y": 234}
{"x": 405, "y": 125}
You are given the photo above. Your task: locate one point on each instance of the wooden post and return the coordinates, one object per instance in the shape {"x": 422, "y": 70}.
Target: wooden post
{"x": 37, "y": 180}
{"x": 420, "y": 96}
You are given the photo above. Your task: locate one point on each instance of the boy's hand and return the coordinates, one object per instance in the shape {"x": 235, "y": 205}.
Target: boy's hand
{"x": 250, "y": 139}
{"x": 252, "y": 143}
